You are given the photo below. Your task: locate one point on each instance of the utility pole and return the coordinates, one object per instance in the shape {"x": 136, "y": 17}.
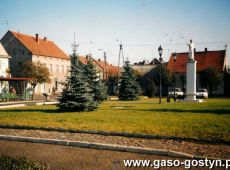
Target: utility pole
{"x": 105, "y": 67}
{"x": 74, "y": 46}
{"x": 74, "y": 56}
{"x": 123, "y": 61}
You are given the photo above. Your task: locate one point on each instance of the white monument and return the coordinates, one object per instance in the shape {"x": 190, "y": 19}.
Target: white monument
{"x": 191, "y": 75}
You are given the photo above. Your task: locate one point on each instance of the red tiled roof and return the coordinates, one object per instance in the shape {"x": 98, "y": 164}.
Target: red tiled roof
{"x": 41, "y": 47}
{"x": 84, "y": 60}
{"x": 111, "y": 70}
{"x": 214, "y": 59}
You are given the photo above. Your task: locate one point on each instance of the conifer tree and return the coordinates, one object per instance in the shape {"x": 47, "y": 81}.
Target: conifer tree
{"x": 129, "y": 88}
{"x": 77, "y": 95}
{"x": 98, "y": 87}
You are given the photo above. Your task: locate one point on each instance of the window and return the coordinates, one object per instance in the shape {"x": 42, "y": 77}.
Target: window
{"x": 57, "y": 68}
{"x": 51, "y": 70}
{"x": 62, "y": 68}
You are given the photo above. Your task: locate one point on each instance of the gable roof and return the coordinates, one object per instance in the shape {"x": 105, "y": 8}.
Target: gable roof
{"x": 41, "y": 47}
{"x": 205, "y": 59}
{"x": 111, "y": 70}
{"x": 155, "y": 61}
{"x": 3, "y": 53}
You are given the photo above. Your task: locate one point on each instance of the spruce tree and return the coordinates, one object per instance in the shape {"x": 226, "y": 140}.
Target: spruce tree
{"x": 129, "y": 88}
{"x": 77, "y": 95}
{"x": 98, "y": 87}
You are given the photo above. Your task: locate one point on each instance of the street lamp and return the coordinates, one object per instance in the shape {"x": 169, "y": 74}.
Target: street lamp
{"x": 174, "y": 82}
{"x": 160, "y": 50}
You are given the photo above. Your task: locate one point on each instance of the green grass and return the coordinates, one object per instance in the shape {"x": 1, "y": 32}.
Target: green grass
{"x": 210, "y": 119}
{"x": 20, "y": 163}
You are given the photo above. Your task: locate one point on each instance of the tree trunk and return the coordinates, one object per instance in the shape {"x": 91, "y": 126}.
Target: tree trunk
{"x": 33, "y": 90}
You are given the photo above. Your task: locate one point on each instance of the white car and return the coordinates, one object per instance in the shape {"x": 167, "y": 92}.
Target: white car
{"x": 202, "y": 93}
{"x": 178, "y": 93}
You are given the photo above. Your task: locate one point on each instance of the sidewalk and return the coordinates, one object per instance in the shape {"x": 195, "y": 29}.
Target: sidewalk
{"x": 12, "y": 104}
{"x": 56, "y": 157}
{"x": 199, "y": 149}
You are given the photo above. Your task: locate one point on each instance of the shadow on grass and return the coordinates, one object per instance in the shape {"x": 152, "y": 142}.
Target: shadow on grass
{"x": 129, "y": 108}
{"x": 31, "y": 110}
{"x": 213, "y": 111}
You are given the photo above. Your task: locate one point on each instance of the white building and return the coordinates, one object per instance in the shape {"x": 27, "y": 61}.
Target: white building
{"x": 4, "y": 67}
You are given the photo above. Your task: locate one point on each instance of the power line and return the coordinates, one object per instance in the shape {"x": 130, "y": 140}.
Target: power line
{"x": 142, "y": 45}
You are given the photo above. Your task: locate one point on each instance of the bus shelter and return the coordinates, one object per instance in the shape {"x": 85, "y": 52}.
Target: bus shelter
{"x": 15, "y": 89}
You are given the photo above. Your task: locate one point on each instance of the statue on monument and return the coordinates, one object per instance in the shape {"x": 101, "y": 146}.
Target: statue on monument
{"x": 191, "y": 50}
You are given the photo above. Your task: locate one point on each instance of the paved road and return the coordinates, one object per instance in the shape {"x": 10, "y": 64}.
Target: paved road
{"x": 71, "y": 158}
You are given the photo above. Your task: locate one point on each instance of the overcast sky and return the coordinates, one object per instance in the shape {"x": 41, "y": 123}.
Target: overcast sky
{"x": 141, "y": 25}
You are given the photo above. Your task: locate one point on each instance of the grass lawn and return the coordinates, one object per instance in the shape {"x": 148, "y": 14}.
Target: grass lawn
{"x": 210, "y": 119}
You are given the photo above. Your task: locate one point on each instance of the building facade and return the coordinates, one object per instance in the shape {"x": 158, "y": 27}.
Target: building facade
{"x": 4, "y": 67}
{"x": 22, "y": 48}
{"x": 144, "y": 67}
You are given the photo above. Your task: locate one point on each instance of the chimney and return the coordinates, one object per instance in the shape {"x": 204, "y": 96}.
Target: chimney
{"x": 194, "y": 50}
{"x": 36, "y": 37}
{"x": 45, "y": 38}
{"x": 99, "y": 60}
{"x": 206, "y": 50}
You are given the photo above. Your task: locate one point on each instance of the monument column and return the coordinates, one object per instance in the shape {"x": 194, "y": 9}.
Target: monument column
{"x": 191, "y": 75}
{"x": 191, "y": 81}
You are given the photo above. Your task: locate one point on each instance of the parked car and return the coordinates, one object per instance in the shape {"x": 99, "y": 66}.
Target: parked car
{"x": 202, "y": 93}
{"x": 178, "y": 93}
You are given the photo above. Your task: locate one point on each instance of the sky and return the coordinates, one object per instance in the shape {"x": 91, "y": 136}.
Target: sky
{"x": 140, "y": 25}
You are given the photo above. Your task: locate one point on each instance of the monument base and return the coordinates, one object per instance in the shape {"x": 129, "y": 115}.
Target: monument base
{"x": 193, "y": 101}
{"x": 192, "y": 98}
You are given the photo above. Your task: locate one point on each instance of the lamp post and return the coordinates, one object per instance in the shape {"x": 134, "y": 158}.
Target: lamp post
{"x": 160, "y": 50}
{"x": 174, "y": 82}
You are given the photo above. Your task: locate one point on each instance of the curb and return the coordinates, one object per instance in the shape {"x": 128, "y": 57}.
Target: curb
{"x": 100, "y": 146}
{"x": 110, "y": 147}
{"x": 123, "y": 134}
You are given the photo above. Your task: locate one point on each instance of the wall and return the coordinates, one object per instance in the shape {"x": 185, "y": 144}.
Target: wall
{"x": 142, "y": 69}
{"x": 59, "y": 69}
{"x": 18, "y": 52}
{"x": 4, "y": 64}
